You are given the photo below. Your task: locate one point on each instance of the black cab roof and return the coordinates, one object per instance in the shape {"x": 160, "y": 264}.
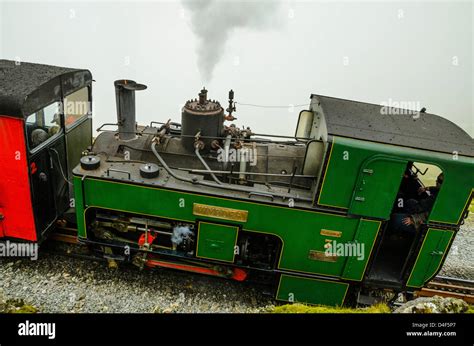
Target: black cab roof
{"x": 390, "y": 125}
{"x": 27, "y": 87}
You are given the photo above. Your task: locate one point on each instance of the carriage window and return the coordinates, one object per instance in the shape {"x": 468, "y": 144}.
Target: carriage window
{"x": 43, "y": 125}
{"x": 76, "y": 107}
{"x": 427, "y": 174}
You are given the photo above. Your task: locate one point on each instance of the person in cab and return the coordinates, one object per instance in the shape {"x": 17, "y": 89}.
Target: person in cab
{"x": 416, "y": 211}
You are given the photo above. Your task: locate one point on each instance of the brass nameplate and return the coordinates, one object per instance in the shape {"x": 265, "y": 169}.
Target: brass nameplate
{"x": 220, "y": 212}
{"x": 321, "y": 256}
{"x": 329, "y": 233}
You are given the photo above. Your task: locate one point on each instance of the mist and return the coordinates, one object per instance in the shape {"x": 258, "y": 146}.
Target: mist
{"x": 414, "y": 52}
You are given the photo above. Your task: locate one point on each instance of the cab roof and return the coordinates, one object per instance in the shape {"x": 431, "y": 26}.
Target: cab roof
{"x": 26, "y": 87}
{"x": 390, "y": 125}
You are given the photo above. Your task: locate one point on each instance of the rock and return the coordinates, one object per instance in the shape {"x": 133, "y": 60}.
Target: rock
{"x": 434, "y": 304}
{"x": 170, "y": 309}
{"x": 14, "y": 306}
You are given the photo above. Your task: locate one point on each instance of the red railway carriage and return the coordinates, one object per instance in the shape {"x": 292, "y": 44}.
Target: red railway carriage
{"x": 44, "y": 125}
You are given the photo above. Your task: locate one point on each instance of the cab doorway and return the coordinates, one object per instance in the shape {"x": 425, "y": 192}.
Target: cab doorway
{"x": 415, "y": 199}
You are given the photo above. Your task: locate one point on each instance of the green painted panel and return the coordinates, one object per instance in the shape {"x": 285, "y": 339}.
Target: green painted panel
{"x": 365, "y": 239}
{"x": 347, "y": 156}
{"x": 78, "y": 139}
{"x": 311, "y": 291}
{"x": 377, "y": 187}
{"x": 341, "y": 174}
{"x": 299, "y": 238}
{"x": 79, "y": 205}
{"x": 429, "y": 258}
{"x": 216, "y": 241}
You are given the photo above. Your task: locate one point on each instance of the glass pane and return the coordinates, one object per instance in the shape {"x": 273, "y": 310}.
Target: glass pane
{"x": 76, "y": 106}
{"x": 44, "y": 124}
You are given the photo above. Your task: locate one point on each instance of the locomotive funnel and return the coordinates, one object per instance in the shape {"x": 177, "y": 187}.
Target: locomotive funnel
{"x": 125, "y": 99}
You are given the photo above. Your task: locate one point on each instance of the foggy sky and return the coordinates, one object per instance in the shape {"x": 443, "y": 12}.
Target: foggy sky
{"x": 215, "y": 21}
{"x": 419, "y": 52}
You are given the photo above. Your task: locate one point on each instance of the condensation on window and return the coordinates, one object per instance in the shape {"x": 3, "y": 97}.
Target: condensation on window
{"x": 76, "y": 107}
{"x": 43, "y": 125}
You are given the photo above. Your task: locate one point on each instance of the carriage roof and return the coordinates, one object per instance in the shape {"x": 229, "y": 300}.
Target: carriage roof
{"x": 396, "y": 126}
{"x": 26, "y": 87}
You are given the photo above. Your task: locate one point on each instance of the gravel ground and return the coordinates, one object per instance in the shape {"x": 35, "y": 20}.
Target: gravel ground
{"x": 460, "y": 260}
{"x": 62, "y": 284}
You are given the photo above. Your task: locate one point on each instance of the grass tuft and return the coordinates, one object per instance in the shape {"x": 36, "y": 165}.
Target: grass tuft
{"x": 298, "y": 308}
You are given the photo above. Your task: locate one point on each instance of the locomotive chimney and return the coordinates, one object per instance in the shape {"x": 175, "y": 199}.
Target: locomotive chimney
{"x": 203, "y": 96}
{"x": 125, "y": 99}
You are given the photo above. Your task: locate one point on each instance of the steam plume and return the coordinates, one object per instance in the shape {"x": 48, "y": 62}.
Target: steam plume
{"x": 214, "y": 21}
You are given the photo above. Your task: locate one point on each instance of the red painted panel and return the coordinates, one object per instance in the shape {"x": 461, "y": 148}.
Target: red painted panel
{"x": 1, "y": 223}
{"x": 15, "y": 199}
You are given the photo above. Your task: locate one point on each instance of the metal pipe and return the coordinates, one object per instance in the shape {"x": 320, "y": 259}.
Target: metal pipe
{"x": 227, "y": 142}
{"x": 166, "y": 167}
{"x": 259, "y": 140}
{"x": 292, "y": 177}
{"x": 251, "y": 173}
{"x": 243, "y": 166}
{"x": 281, "y": 136}
{"x": 125, "y": 102}
{"x": 208, "y": 169}
{"x": 224, "y": 186}
{"x": 138, "y": 228}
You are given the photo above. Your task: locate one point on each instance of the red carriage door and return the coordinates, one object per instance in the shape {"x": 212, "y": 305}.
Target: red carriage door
{"x": 17, "y": 220}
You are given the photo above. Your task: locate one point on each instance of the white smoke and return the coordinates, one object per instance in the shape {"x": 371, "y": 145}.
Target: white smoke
{"x": 214, "y": 21}
{"x": 180, "y": 233}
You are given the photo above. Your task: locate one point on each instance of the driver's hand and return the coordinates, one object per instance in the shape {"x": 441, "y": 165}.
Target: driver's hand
{"x": 407, "y": 221}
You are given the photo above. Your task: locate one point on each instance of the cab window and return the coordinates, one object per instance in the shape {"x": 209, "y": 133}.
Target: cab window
{"x": 76, "y": 107}
{"x": 44, "y": 125}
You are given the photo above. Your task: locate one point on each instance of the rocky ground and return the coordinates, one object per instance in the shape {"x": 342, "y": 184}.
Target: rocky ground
{"x": 436, "y": 304}
{"x": 61, "y": 284}
{"x": 460, "y": 260}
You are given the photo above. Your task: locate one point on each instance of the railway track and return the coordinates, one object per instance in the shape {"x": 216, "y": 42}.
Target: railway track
{"x": 65, "y": 235}
{"x": 449, "y": 287}
{"x": 440, "y": 286}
